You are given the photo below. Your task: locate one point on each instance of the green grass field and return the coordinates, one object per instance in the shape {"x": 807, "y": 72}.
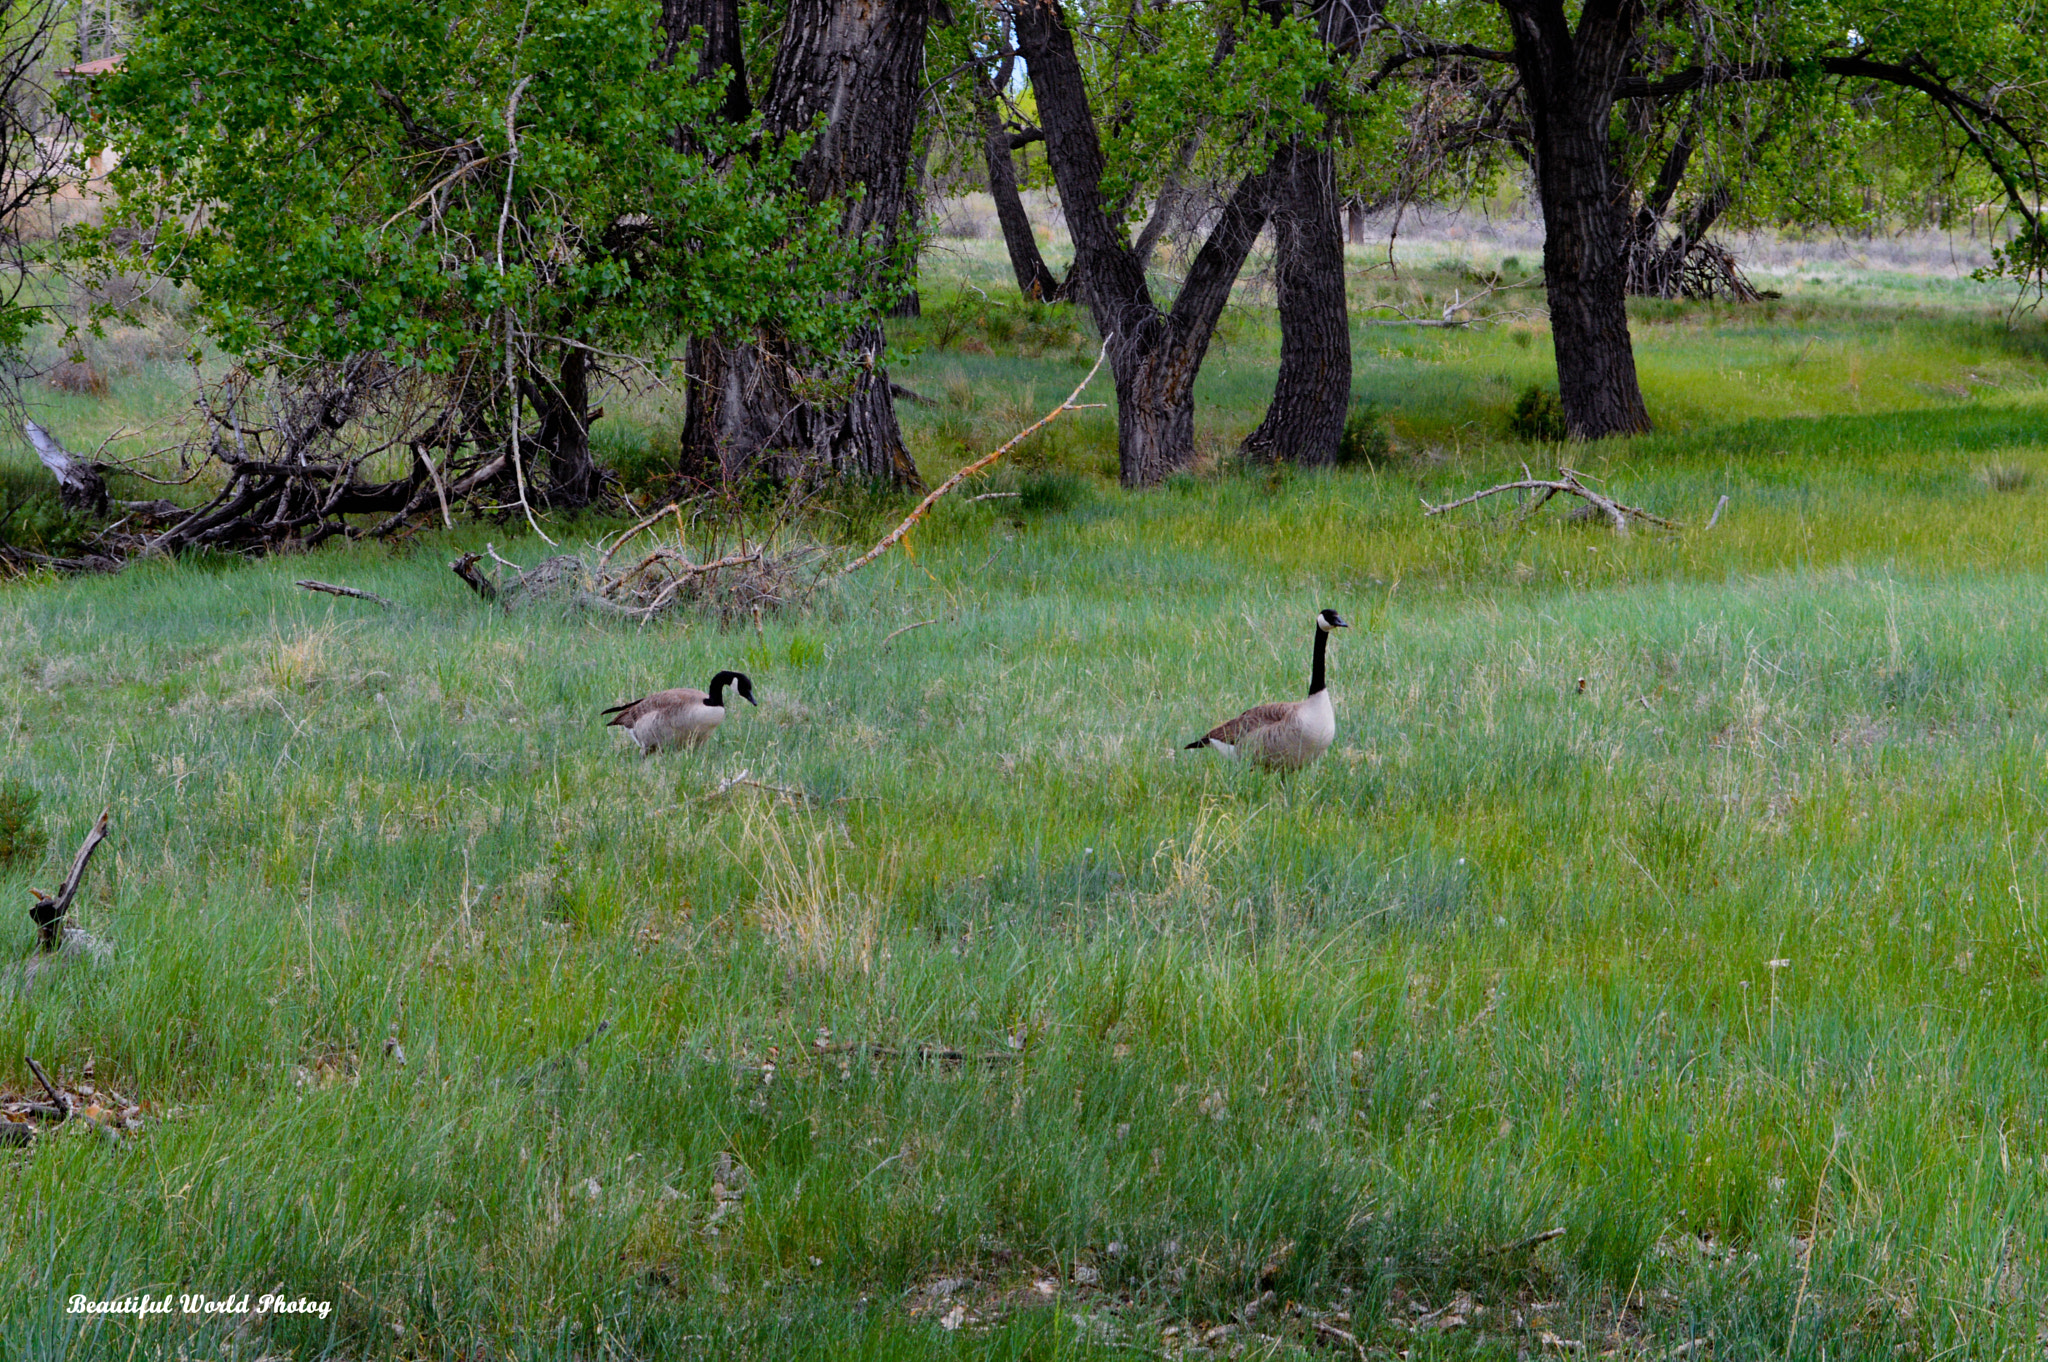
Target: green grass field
{"x": 1683, "y": 893}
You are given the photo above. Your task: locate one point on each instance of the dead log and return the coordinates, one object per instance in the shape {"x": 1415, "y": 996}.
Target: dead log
{"x": 332, "y": 590}
{"x": 79, "y": 484}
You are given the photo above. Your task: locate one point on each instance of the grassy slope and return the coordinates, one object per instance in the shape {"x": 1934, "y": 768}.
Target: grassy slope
{"x": 1501, "y": 962}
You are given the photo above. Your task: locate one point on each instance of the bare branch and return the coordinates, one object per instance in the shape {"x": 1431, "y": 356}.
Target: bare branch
{"x": 932, "y": 498}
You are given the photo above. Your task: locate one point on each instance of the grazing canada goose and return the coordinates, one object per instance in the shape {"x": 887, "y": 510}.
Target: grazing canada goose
{"x": 683, "y": 715}
{"x": 1292, "y": 733}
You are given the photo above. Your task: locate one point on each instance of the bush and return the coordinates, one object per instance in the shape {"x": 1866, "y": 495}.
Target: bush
{"x": 32, "y": 517}
{"x": 1365, "y": 440}
{"x": 22, "y": 838}
{"x": 1538, "y": 417}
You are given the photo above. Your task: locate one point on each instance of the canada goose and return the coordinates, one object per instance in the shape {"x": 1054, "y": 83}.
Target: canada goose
{"x": 1292, "y": 733}
{"x": 683, "y": 715}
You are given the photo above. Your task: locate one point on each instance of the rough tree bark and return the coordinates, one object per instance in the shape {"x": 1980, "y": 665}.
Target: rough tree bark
{"x": 1570, "y": 77}
{"x": 1154, "y": 354}
{"x": 752, "y": 406}
{"x": 574, "y": 479}
{"x": 1312, "y": 394}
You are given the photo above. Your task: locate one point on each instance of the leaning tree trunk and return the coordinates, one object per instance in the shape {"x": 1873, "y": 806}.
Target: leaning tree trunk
{"x": 1312, "y": 394}
{"x": 753, "y": 403}
{"x": 1035, "y": 279}
{"x": 1571, "y": 78}
{"x": 1154, "y": 355}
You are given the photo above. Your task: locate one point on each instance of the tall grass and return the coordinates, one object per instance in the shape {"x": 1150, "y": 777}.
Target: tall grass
{"x": 1680, "y": 891}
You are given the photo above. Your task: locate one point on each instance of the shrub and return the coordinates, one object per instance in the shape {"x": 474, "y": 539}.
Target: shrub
{"x": 1365, "y": 440}
{"x": 32, "y": 517}
{"x": 1538, "y": 416}
{"x": 22, "y": 838}
{"x": 77, "y": 375}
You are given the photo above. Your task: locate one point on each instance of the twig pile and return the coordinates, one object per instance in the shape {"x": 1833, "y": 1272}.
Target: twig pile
{"x": 732, "y": 587}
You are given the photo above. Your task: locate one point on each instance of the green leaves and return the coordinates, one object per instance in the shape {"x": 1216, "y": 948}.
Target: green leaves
{"x": 392, "y": 176}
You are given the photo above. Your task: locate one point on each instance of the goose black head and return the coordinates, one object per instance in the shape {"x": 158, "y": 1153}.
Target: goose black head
{"x": 739, "y": 682}
{"x": 1330, "y": 619}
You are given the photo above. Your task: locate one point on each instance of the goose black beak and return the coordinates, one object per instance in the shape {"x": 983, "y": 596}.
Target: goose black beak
{"x": 1339, "y": 622}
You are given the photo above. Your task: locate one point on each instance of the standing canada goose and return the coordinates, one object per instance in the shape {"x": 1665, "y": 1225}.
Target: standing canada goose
{"x": 1289, "y": 734}
{"x": 684, "y": 715}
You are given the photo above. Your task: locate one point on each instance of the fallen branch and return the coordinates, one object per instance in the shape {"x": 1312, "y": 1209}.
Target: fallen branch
{"x": 906, "y": 629}
{"x": 57, "y": 1095}
{"x": 730, "y": 783}
{"x": 1531, "y": 1242}
{"x": 1719, "y": 507}
{"x": 922, "y": 1054}
{"x": 1449, "y": 316}
{"x": 349, "y": 591}
{"x": 977, "y": 466}
{"x": 622, "y": 540}
{"x": 993, "y": 496}
{"x": 47, "y": 912}
{"x": 1567, "y": 482}
{"x": 1333, "y": 1333}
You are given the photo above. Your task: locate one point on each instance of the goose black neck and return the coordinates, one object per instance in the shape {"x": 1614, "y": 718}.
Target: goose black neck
{"x": 718, "y": 685}
{"x": 1315, "y": 680}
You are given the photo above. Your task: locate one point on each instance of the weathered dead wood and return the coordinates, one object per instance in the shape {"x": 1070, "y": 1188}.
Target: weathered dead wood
{"x": 57, "y": 1095}
{"x": 623, "y": 539}
{"x": 1336, "y": 1335}
{"x": 48, "y": 912}
{"x": 932, "y": 497}
{"x": 943, "y": 1055}
{"x": 349, "y": 591}
{"x": 465, "y": 568}
{"x": 1531, "y": 1242}
{"x": 1449, "y": 317}
{"x": 894, "y": 634}
{"x": 1566, "y": 482}
{"x": 79, "y": 484}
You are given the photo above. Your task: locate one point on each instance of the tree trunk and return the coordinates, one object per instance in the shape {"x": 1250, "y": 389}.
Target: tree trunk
{"x": 1313, "y": 392}
{"x": 1571, "y": 78}
{"x": 1354, "y": 213}
{"x": 573, "y": 478}
{"x": 1153, "y": 354}
{"x": 860, "y": 67}
{"x": 1035, "y": 278}
{"x": 723, "y": 47}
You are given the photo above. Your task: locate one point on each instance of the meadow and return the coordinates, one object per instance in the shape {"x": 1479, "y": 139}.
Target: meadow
{"x": 1653, "y": 969}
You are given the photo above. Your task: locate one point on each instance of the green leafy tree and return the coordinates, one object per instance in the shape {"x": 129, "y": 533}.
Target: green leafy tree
{"x": 496, "y": 197}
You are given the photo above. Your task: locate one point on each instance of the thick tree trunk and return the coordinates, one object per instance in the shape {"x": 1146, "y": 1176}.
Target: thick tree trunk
{"x": 1313, "y": 391}
{"x": 1153, "y": 354}
{"x": 723, "y": 46}
{"x": 573, "y": 478}
{"x": 1571, "y": 78}
{"x": 1035, "y": 278}
{"x": 1354, "y": 214}
{"x": 859, "y": 66}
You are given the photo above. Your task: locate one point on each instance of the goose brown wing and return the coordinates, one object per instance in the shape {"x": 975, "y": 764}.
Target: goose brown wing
{"x": 1257, "y": 717}
{"x": 630, "y": 713}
